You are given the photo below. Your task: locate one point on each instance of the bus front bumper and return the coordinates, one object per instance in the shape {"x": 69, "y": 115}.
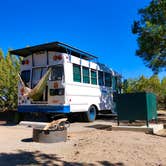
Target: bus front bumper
{"x": 44, "y": 108}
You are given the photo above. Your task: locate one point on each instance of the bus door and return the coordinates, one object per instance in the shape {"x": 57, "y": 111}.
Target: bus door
{"x": 56, "y": 85}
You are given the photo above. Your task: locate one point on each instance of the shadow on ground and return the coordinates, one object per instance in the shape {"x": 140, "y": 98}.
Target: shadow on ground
{"x": 107, "y": 117}
{"x": 27, "y": 140}
{"x": 110, "y": 118}
{"x": 37, "y": 158}
{"x": 101, "y": 127}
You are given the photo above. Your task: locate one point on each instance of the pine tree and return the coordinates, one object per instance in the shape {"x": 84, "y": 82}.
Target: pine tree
{"x": 151, "y": 35}
{"x": 9, "y": 68}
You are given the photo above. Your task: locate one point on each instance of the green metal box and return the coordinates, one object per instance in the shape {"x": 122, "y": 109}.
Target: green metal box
{"x": 136, "y": 106}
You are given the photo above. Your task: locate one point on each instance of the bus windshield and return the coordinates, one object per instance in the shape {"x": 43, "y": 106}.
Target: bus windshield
{"x": 57, "y": 73}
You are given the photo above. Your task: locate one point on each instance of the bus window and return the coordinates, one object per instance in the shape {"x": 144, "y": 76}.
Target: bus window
{"x": 108, "y": 81}
{"x": 57, "y": 73}
{"x": 114, "y": 83}
{"x": 119, "y": 85}
{"x": 86, "y": 78}
{"x": 93, "y": 77}
{"x": 100, "y": 78}
{"x": 76, "y": 73}
{"x": 25, "y": 75}
{"x": 37, "y": 74}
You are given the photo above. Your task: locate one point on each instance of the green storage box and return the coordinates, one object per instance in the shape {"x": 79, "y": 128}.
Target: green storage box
{"x": 136, "y": 106}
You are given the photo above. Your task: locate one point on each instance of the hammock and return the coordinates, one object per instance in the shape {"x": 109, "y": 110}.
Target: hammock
{"x": 37, "y": 91}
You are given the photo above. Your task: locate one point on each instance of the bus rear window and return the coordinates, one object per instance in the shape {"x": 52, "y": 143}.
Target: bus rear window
{"x": 57, "y": 73}
{"x": 25, "y": 75}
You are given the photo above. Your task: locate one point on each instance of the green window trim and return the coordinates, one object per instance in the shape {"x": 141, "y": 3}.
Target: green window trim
{"x": 85, "y": 72}
{"x": 93, "y": 77}
{"x": 76, "y": 73}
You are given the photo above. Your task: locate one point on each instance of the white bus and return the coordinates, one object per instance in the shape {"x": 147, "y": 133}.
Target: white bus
{"x": 77, "y": 82}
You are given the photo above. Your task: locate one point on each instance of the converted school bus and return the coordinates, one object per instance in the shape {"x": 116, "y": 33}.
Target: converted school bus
{"x": 77, "y": 82}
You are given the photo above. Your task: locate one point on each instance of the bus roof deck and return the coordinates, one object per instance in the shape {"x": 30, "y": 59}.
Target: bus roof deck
{"x": 54, "y": 46}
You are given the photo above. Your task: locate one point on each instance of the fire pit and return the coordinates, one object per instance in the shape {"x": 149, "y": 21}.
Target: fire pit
{"x": 53, "y": 132}
{"x": 49, "y": 136}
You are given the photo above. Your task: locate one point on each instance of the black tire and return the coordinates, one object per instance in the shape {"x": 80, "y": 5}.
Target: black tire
{"x": 90, "y": 115}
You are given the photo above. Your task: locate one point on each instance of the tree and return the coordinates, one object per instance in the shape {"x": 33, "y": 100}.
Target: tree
{"x": 129, "y": 85}
{"x": 2, "y": 77}
{"x": 163, "y": 92}
{"x": 136, "y": 85}
{"x": 151, "y": 35}
{"x": 152, "y": 84}
{"x": 9, "y": 68}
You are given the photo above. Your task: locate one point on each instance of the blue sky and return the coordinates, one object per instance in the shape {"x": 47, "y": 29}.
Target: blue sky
{"x": 100, "y": 27}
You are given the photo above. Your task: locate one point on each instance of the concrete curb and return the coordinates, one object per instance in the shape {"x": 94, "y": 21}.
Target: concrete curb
{"x": 152, "y": 129}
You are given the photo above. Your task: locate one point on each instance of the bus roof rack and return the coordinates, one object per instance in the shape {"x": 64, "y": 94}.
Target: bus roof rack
{"x": 53, "y": 46}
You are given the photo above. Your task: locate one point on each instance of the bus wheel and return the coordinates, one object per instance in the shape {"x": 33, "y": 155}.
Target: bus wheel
{"x": 90, "y": 115}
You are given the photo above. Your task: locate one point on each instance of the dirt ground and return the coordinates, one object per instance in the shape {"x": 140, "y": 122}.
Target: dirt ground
{"x": 88, "y": 144}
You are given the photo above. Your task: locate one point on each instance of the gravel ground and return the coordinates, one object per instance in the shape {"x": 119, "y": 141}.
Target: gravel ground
{"x": 88, "y": 144}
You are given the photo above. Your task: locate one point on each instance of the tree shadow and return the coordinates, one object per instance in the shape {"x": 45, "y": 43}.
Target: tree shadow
{"x": 106, "y": 163}
{"x": 38, "y": 158}
{"x": 26, "y": 158}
